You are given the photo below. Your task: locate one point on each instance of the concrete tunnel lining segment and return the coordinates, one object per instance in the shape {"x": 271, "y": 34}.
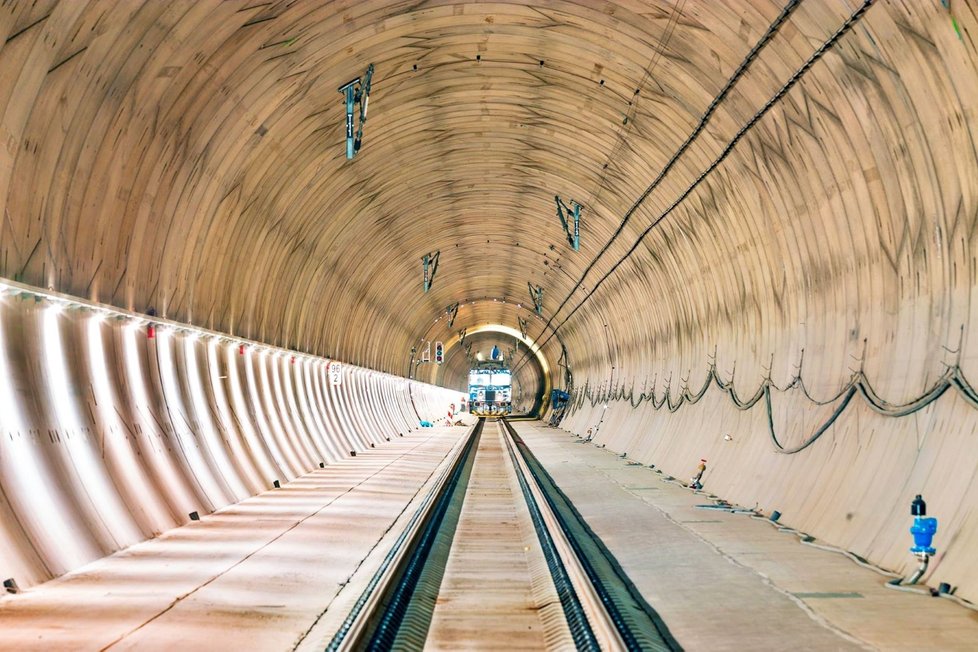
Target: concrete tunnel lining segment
{"x": 186, "y": 159}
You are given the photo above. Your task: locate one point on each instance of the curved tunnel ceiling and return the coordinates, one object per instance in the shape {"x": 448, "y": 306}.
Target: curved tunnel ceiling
{"x": 188, "y": 158}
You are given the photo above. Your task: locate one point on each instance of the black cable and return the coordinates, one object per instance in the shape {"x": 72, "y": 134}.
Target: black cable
{"x": 858, "y": 384}
{"x": 772, "y": 29}
{"x": 794, "y": 79}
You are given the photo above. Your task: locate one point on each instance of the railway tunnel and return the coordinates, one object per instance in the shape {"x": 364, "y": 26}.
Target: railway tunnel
{"x": 724, "y": 252}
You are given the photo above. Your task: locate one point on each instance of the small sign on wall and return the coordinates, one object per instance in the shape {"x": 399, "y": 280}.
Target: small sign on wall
{"x": 335, "y": 373}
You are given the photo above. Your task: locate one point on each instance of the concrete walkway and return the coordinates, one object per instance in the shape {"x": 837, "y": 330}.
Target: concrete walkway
{"x": 254, "y": 576}
{"x": 724, "y": 581}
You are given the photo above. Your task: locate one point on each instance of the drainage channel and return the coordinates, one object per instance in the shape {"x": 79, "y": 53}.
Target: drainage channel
{"x": 499, "y": 557}
{"x": 394, "y": 610}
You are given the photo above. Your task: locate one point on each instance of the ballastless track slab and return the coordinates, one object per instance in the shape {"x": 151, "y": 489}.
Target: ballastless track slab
{"x": 499, "y": 560}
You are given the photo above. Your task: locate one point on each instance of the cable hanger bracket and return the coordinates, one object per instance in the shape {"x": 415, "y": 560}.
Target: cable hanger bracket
{"x": 536, "y": 293}
{"x": 356, "y": 93}
{"x": 430, "y": 264}
{"x": 570, "y": 220}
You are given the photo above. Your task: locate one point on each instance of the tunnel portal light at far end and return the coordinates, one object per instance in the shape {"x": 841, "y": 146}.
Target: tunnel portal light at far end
{"x": 356, "y": 93}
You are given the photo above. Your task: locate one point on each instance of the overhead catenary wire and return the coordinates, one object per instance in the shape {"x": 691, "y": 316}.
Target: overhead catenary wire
{"x": 858, "y": 383}
{"x": 628, "y": 122}
{"x": 727, "y": 150}
{"x": 741, "y": 69}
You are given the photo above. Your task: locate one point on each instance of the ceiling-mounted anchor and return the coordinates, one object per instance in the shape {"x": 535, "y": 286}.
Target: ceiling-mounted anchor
{"x": 570, "y": 220}
{"x": 356, "y": 93}
{"x": 461, "y": 336}
{"x": 452, "y": 312}
{"x": 536, "y": 293}
{"x": 430, "y": 262}
{"x": 564, "y": 362}
{"x": 523, "y": 326}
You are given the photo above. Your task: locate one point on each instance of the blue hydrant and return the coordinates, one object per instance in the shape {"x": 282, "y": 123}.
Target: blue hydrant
{"x": 923, "y": 528}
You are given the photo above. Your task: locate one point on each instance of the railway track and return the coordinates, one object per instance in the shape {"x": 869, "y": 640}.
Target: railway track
{"x": 497, "y": 557}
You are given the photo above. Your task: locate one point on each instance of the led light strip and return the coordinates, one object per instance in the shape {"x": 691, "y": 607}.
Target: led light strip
{"x": 60, "y": 302}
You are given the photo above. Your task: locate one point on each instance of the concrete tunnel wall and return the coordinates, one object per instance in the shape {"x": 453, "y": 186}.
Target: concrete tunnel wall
{"x": 187, "y": 157}
{"x": 852, "y": 488}
{"x": 108, "y": 437}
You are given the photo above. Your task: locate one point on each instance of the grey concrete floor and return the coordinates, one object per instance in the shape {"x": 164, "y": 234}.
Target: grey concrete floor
{"x": 254, "y": 576}
{"x": 724, "y": 581}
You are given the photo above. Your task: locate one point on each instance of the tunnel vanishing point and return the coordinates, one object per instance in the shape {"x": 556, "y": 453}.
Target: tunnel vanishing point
{"x": 726, "y": 249}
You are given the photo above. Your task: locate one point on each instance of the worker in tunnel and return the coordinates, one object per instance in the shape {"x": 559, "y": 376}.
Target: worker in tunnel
{"x": 696, "y": 482}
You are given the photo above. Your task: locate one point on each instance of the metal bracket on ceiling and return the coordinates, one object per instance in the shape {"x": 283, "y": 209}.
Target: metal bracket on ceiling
{"x": 536, "y": 293}
{"x": 570, "y": 220}
{"x": 356, "y": 93}
{"x": 430, "y": 262}
{"x": 565, "y": 363}
{"x": 461, "y": 336}
{"x": 452, "y": 311}
{"x": 523, "y": 326}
